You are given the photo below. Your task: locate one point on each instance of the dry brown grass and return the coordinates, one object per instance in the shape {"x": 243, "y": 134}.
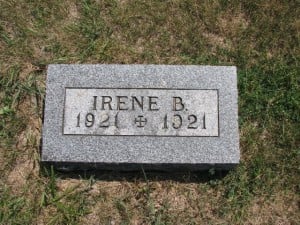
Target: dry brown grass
{"x": 259, "y": 37}
{"x": 277, "y": 210}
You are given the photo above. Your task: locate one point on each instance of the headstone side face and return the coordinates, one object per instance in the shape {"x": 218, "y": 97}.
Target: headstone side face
{"x": 127, "y": 116}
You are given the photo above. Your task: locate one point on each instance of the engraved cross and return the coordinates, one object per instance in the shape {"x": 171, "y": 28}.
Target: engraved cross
{"x": 140, "y": 121}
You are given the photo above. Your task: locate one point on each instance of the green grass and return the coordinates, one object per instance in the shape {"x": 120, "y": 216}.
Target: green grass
{"x": 260, "y": 37}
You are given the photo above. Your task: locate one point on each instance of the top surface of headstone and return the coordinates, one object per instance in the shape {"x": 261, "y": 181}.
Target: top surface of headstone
{"x": 141, "y": 114}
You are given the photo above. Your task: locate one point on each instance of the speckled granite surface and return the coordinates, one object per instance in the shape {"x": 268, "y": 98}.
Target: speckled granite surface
{"x": 65, "y": 147}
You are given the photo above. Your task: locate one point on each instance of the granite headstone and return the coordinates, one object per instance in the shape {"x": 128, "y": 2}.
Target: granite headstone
{"x": 125, "y": 117}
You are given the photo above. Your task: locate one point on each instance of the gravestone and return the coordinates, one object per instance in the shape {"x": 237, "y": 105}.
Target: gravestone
{"x": 130, "y": 116}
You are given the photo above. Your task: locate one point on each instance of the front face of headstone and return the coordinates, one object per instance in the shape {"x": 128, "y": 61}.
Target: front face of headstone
{"x": 128, "y": 116}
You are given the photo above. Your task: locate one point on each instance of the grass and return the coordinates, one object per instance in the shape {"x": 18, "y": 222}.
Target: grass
{"x": 260, "y": 37}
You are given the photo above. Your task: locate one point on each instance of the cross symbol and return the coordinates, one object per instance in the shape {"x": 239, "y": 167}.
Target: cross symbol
{"x": 141, "y": 122}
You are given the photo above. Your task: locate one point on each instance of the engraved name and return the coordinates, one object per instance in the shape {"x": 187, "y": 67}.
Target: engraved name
{"x": 132, "y": 103}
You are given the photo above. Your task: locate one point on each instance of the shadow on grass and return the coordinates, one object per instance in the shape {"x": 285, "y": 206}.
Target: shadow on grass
{"x": 144, "y": 173}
